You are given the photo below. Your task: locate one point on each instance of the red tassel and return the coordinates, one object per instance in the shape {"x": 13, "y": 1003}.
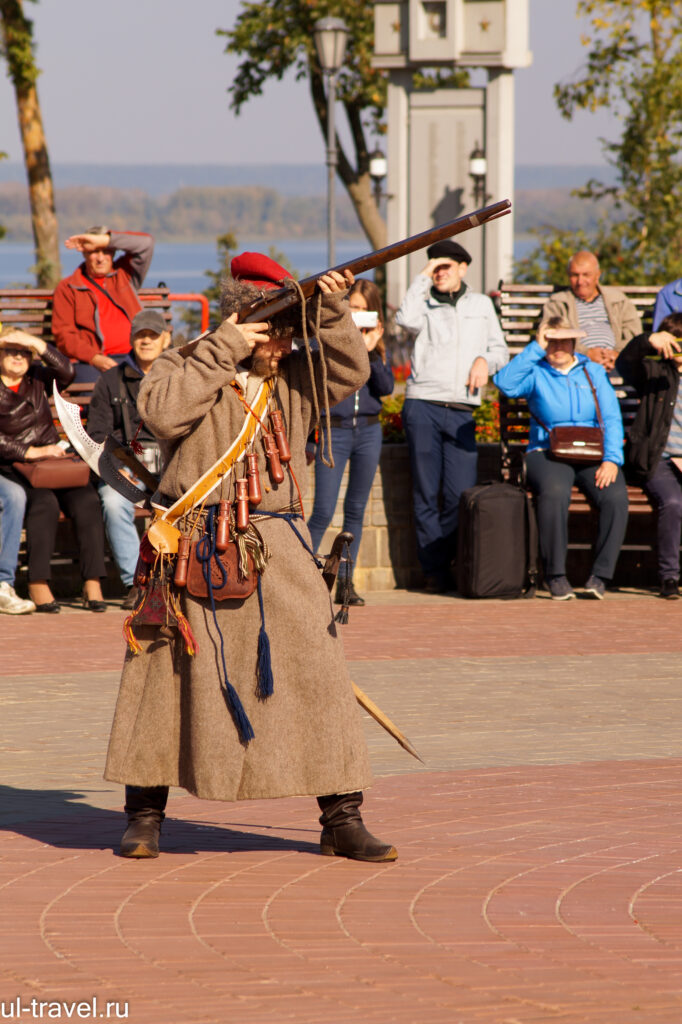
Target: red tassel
{"x": 134, "y": 645}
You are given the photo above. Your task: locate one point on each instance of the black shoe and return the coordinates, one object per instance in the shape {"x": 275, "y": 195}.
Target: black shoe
{"x": 353, "y": 596}
{"x": 344, "y": 833}
{"x": 144, "y": 807}
{"x": 50, "y": 607}
{"x": 93, "y": 605}
{"x": 435, "y": 585}
{"x": 670, "y": 590}
{"x": 141, "y": 838}
{"x": 131, "y": 599}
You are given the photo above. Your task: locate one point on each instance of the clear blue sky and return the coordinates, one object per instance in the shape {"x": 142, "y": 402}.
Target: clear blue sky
{"x": 144, "y": 81}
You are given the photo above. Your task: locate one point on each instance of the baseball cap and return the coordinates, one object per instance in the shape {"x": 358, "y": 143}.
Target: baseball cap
{"x": 148, "y": 320}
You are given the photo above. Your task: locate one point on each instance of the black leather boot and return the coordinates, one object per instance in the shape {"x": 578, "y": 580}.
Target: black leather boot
{"x": 144, "y": 806}
{"x": 344, "y": 833}
{"x": 352, "y": 596}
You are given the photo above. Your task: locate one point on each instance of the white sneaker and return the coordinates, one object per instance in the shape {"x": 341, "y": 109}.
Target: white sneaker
{"x": 10, "y": 604}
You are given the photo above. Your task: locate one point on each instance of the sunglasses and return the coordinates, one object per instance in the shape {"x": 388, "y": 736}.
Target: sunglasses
{"x": 10, "y": 351}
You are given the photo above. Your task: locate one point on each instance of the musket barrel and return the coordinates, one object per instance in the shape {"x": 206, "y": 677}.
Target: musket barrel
{"x": 421, "y": 241}
{"x": 284, "y": 298}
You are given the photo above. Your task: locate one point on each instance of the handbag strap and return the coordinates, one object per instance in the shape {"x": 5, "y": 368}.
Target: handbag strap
{"x": 128, "y": 432}
{"x": 107, "y": 295}
{"x": 594, "y": 395}
{"x": 596, "y": 405}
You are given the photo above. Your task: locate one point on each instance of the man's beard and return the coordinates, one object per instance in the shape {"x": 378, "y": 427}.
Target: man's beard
{"x": 264, "y": 366}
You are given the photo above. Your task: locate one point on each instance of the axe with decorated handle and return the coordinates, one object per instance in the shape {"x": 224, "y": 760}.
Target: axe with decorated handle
{"x": 107, "y": 459}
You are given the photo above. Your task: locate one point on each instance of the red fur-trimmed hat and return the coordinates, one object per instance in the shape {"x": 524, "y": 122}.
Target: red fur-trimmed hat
{"x": 255, "y": 268}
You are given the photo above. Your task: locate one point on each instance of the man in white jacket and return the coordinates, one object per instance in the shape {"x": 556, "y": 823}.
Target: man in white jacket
{"x": 458, "y": 345}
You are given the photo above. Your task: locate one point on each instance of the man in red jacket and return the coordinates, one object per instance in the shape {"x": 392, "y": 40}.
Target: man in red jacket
{"x": 94, "y": 307}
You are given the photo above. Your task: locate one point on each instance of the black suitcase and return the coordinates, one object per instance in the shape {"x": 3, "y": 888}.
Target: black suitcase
{"x": 497, "y": 542}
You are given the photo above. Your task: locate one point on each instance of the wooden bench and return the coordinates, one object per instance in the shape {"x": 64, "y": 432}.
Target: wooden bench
{"x": 30, "y": 309}
{"x": 520, "y": 307}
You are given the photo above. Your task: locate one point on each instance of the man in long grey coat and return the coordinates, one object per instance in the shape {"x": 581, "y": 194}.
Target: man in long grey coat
{"x": 176, "y": 722}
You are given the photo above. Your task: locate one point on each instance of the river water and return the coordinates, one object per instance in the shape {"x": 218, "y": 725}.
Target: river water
{"x": 182, "y": 265}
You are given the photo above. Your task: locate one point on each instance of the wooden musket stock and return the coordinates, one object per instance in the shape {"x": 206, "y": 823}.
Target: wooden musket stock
{"x": 279, "y": 299}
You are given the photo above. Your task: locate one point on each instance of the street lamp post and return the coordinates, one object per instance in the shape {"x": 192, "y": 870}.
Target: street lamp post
{"x": 478, "y": 170}
{"x": 330, "y": 36}
{"x": 377, "y": 172}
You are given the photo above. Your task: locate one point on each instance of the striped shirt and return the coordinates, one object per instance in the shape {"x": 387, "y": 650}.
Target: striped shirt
{"x": 594, "y": 321}
{"x": 673, "y": 445}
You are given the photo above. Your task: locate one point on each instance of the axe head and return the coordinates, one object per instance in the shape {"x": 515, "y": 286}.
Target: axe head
{"x": 99, "y": 457}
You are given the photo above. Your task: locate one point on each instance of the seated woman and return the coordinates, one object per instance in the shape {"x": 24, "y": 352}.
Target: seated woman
{"x": 654, "y": 450}
{"x": 557, "y": 385}
{"x": 356, "y": 439}
{"x": 28, "y": 434}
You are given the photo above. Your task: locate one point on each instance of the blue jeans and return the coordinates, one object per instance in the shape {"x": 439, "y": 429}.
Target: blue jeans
{"x": 443, "y": 462}
{"x": 87, "y": 374}
{"x": 13, "y": 507}
{"x": 664, "y": 487}
{"x": 362, "y": 445}
{"x": 119, "y": 523}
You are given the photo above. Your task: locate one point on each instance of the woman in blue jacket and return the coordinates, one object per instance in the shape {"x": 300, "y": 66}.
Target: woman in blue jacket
{"x": 552, "y": 378}
{"x": 356, "y": 438}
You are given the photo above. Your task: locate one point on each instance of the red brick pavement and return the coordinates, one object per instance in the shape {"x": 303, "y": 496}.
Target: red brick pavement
{"x": 520, "y": 895}
{"x": 448, "y": 629}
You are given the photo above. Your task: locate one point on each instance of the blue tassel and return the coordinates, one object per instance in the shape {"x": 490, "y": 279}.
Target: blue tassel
{"x": 266, "y": 683}
{"x": 241, "y": 719}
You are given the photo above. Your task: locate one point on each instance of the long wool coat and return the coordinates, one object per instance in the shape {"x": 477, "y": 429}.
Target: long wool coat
{"x": 172, "y": 725}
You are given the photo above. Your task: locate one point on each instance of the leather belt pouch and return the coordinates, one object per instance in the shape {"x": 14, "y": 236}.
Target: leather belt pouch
{"x": 577, "y": 444}
{"x": 227, "y": 584}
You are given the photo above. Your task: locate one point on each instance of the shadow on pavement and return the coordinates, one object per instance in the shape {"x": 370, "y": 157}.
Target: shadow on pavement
{"x": 51, "y": 816}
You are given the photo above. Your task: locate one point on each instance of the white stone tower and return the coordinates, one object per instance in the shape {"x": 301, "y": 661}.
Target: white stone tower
{"x": 432, "y": 136}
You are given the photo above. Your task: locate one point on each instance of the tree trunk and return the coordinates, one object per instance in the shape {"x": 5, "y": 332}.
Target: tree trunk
{"x": 362, "y": 195}
{"x": 48, "y": 267}
{"x": 17, "y": 42}
{"x": 357, "y": 183}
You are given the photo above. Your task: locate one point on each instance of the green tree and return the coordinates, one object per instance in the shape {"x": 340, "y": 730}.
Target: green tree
{"x": 274, "y": 36}
{"x": 226, "y": 246}
{"x": 634, "y": 69}
{"x": 17, "y": 47}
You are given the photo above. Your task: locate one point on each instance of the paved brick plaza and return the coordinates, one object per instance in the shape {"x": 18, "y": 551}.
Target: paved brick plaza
{"x": 539, "y": 876}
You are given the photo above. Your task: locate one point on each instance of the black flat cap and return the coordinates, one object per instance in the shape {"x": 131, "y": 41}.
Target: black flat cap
{"x": 448, "y": 250}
